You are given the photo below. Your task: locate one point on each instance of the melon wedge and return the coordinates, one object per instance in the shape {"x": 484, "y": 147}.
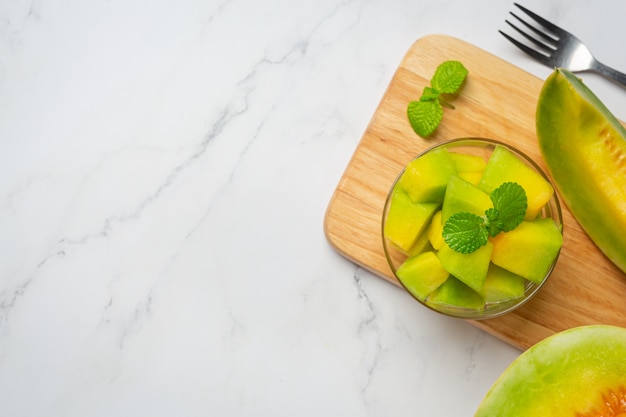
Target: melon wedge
{"x": 579, "y": 372}
{"x": 584, "y": 147}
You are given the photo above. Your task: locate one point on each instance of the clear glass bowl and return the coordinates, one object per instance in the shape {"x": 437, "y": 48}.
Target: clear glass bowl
{"x": 395, "y": 257}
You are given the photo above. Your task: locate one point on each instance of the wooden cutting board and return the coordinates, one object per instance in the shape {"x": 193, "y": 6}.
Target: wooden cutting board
{"x": 498, "y": 101}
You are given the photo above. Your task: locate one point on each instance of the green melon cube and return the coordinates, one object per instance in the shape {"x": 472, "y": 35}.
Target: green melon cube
{"x": 422, "y": 244}
{"x": 528, "y": 250}
{"x": 407, "y": 220}
{"x": 422, "y": 274}
{"x": 470, "y": 268}
{"x": 502, "y": 285}
{"x": 468, "y": 163}
{"x": 461, "y": 196}
{"x": 435, "y": 231}
{"x": 425, "y": 178}
{"x": 473, "y": 177}
{"x": 453, "y": 292}
{"x": 504, "y": 166}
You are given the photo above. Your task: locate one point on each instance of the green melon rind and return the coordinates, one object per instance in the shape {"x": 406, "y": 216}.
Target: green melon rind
{"x": 564, "y": 374}
{"x": 571, "y": 124}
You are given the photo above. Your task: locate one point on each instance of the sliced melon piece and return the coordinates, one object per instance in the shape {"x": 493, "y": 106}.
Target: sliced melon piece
{"x": 502, "y": 285}
{"x": 577, "y": 372}
{"x": 504, "y": 166}
{"x": 473, "y": 177}
{"x": 461, "y": 196}
{"x": 584, "y": 146}
{"x": 454, "y": 293}
{"x": 435, "y": 231}
{"x": 422, "y": 274}
{"x": 465, "y": 162}
{"x": 470, "y": 268}
{"x": 406, "y": 220}
{"x": 529, "y": 250}
{"x": 425, "y": 178}
{"x": 422, "y": 244}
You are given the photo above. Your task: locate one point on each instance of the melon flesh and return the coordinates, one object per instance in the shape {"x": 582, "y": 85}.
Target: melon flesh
{"x": 422, "y": 274}
{"x": 528, "y": 250}
{"x": 461, "y": 196}
{"x": 435, "y": 231}
{"x": 503, "y": 167}
{"x": 572, "y": 373}
{"x": 454, "y": 293}
{"x": 584, "y": 147}
{"x": 471, "y": 268}
{"x": 406, "y": 220}
{"x": 422, "y": 244}
{"x": 425, "y": 178}
{"x": 467, "y": 163}
{"x": 502, "y": 285}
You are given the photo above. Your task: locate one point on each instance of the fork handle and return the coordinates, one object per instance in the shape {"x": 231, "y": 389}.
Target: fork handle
{"x": 609, "y": 72}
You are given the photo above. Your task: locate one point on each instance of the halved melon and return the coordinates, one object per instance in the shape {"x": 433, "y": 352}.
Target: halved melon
{"x": 579, "y": 372}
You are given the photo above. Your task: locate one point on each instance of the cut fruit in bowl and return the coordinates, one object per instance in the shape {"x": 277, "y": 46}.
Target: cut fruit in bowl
{"x": 472, "y": 228}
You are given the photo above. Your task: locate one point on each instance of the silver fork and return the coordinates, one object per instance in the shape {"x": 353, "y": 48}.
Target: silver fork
{"x": 556, "y": 47}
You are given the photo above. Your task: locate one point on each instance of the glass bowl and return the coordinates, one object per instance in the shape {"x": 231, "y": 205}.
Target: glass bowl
{"x": 396, "y": 256}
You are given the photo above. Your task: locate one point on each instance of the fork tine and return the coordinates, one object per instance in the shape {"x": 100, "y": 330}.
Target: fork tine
{"x": 544, "y": 46}
{"x": 543, "y": 22}
{"x": 535, "y": 54}
{"x": 536, "y": 31}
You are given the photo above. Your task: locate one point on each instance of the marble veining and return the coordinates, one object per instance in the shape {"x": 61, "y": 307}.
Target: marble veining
{"x": 166, "y": 167}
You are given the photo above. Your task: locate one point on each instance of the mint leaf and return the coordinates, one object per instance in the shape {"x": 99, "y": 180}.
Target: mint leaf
{"x": 424, "y": 116}
{"x": 429, "y": 94}
{"x": 449, "y": 77}
{"x": 494, "y": 223}
{"x": 510, "y": 200}
{"x": 465, "y": 232}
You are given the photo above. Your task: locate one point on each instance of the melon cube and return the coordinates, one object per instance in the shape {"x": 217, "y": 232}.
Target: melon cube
{"x": 502, "y": 285}
{"x": 455, "y": 293}
{"x": 528, "y": 250}
{"x": 422, "y": 244}
{"x": 406, "y": 220}
{"x": 422, "y": 274}
{"x": 504, "y": 166}
{"x": 425, "y": 178}
{"x": 471, "y": 268}
{"x": 469, "y": 167}
{"x": 435, "y": 231}
{"x": 461, "y": 196}
{"x": 468, "y": 163}
{"x": 473, "y": 177}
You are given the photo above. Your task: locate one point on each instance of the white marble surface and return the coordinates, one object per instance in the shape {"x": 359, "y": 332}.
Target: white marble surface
{"x": 166, "y": 166}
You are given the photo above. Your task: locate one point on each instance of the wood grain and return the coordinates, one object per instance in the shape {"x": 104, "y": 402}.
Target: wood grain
{"x": 498, "y": 101}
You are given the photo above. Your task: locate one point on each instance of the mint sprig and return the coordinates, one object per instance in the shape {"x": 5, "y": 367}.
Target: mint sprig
{"x": 426, "y": 114}
{"x": 466, "y": 232}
